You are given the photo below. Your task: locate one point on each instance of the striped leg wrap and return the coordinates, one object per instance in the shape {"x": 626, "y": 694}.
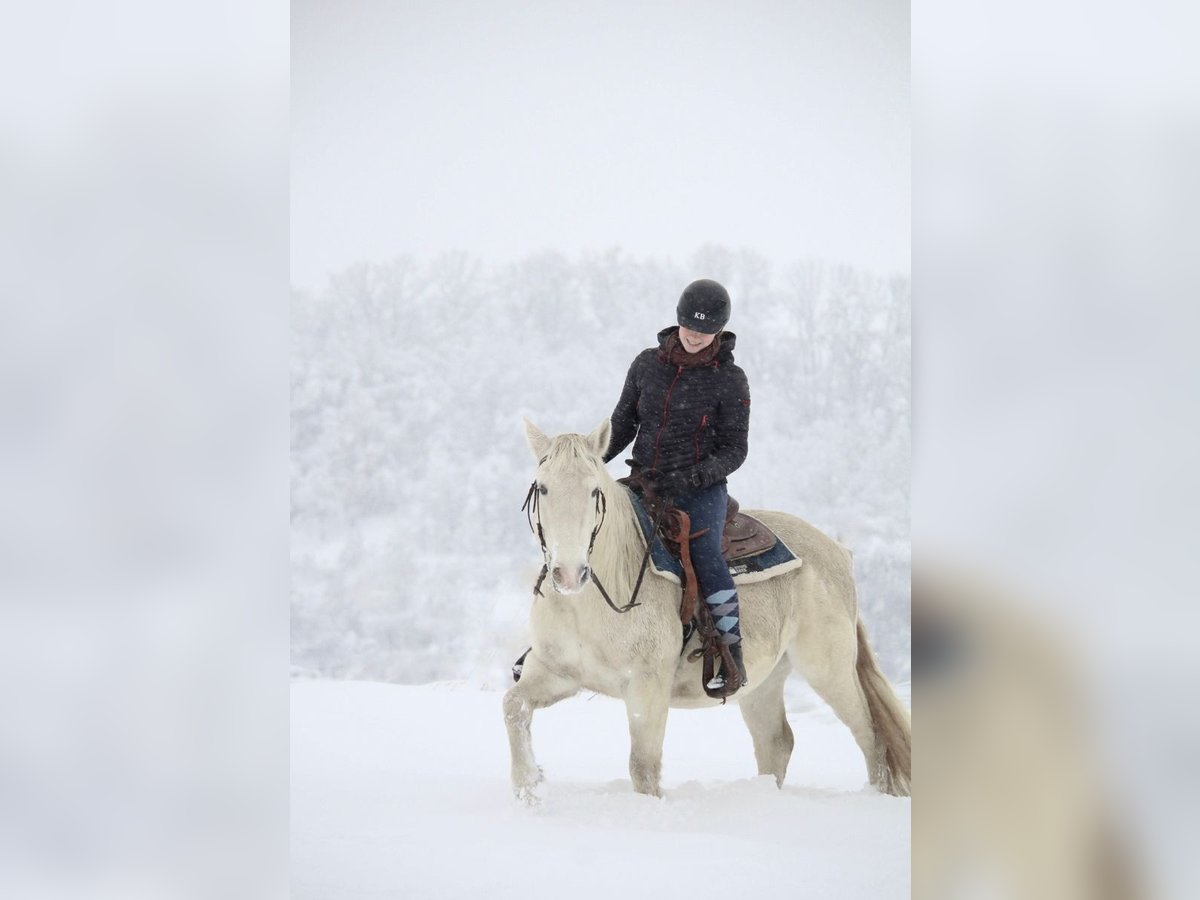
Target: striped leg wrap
{"x": 724, "y": 608}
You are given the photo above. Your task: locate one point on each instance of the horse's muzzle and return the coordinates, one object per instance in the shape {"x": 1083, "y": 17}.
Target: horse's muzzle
{"x": 569, "y": 579}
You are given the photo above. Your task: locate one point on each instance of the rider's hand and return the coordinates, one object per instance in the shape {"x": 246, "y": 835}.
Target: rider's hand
{"x": 673, "y": 484}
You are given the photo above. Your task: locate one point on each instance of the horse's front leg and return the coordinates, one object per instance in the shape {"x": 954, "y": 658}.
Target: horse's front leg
{"x": 647, "y": 699}
{"x": 538, "y": 688}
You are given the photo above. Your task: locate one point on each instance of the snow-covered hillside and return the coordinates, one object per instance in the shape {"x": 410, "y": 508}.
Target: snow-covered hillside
{"x": 403, "y": 791}
{"x": 409, "y": 463}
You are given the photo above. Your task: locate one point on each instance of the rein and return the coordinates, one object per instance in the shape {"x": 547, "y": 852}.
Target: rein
{"x": 531, "y": 507}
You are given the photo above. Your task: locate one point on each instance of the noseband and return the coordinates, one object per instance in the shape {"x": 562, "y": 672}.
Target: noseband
{"x": 532, "y": 507}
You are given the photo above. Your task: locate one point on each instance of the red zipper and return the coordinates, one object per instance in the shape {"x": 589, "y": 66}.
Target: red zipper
{"x": 666, "y": 415}
{"x": 703, "y": 422}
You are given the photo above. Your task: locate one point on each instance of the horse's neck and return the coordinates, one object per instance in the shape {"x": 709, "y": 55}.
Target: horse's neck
{"x": 617, "y": 556}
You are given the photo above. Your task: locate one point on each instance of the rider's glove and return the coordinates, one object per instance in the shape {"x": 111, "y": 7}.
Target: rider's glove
{"x": 677, "y": 483}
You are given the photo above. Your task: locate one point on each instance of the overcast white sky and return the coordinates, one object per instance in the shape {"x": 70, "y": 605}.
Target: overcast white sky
{"x": 504, "y": 128}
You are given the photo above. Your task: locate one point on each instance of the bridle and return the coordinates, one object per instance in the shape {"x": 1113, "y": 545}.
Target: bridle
{"x": 695, "y": 616}
{"x": 532, "y": 508}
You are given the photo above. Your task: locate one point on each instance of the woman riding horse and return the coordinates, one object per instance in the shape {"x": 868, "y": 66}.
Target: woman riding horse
{"x": 686, "y": 408}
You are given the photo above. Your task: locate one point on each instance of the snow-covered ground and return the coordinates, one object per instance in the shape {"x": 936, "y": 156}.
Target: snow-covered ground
{"x": 402, "y": 791}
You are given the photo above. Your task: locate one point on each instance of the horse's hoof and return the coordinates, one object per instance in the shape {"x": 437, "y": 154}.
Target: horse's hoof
{"x": 525, "y": 788}
{"x": 894, "y": 784}
{"x": 528, "y": 796}
{"x": 648, "y": 790}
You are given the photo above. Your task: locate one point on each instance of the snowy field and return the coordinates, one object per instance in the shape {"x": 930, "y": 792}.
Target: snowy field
{"x": 402, "y": 791}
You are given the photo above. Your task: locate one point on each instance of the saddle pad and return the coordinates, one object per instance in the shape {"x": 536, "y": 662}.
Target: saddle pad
{"x": 775, "y": 561}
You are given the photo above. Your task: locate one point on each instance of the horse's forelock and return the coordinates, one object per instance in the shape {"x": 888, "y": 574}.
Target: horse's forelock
{"x": 571, "y": 454}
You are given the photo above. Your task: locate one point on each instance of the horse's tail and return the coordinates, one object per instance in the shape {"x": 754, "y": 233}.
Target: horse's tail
{"x": 893, "y": 726}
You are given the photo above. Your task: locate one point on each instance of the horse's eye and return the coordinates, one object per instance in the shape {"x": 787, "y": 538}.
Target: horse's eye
{"x": 542, "y": 489}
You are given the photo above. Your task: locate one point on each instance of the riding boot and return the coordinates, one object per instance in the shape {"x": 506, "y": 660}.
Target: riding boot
{"x": 718, "y": 681}
{"x": 724, "y": 608}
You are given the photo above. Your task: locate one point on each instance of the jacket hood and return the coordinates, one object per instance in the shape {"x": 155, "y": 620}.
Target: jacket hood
{"x": 724, "y": 355}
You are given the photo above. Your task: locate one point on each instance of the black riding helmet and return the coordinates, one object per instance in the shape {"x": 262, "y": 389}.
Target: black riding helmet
{"x": 704, "y": 307}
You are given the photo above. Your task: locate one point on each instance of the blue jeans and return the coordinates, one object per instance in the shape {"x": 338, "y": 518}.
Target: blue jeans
{"x": 706, "y": 507}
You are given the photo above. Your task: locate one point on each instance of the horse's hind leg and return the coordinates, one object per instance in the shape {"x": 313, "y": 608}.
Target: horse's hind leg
{"x": 537, "y": 689}
{"x": 824, "y": 653}
{"x": 764, "y": 714}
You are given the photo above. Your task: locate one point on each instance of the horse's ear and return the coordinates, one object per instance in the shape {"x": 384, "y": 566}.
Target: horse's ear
{"x": 599, "y": 438}
{"x": 538, "y": 442}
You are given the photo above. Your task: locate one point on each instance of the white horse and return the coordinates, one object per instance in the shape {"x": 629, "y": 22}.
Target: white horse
{"x": 806, "y": 618}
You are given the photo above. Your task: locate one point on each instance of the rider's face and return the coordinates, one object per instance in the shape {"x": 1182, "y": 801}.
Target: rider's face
{"x": 694, "y": 341}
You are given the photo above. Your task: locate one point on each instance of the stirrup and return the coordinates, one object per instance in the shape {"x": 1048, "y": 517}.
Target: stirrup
{"x": 717, "y": 682}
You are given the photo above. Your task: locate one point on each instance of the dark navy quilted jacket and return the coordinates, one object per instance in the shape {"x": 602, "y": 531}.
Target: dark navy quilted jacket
{"x": 693, "y": 420}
